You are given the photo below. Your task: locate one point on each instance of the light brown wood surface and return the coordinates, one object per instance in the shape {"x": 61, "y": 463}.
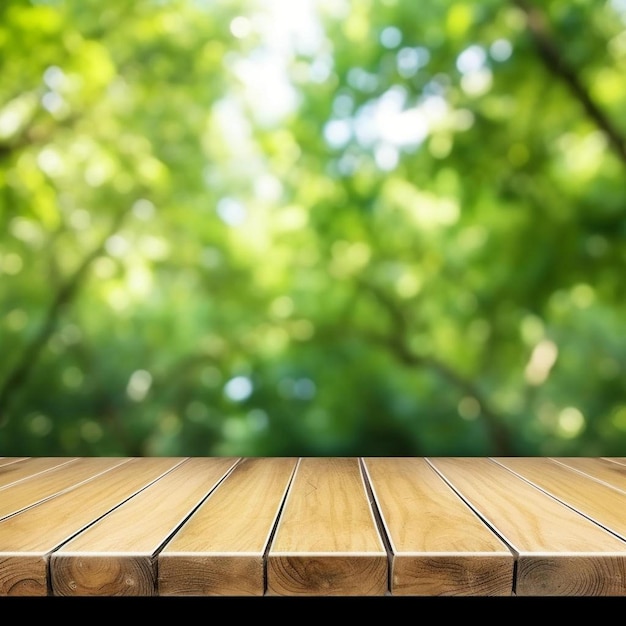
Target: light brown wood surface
{"x": 603, "y": 503}
{"x": 221, "y": 549}
{"x": 327, "y": 526}
{"x": 28, "y": 538}
{"x": 12, "y": 473}
{"x": 6, "y": 460}
{"x": 327, "y": 541}
{"x": 439, "y": 545}
{"x": 116, "y": 556}
{"x": 605, "y": 470}
{"x": 40, "y": 486}
{"x": 559, "y": 551}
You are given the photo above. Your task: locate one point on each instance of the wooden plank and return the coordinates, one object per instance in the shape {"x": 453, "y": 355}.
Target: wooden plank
{"x": 603, "y": 503}
{"x": 6, "y": 460}
{"x": 116, "y": 556}
{"x": 601, "y": 469}
{"x": 616, "y": 459}
{"x": 34, "y": 489}
{"x": 220, "y": 550}
{"x": 560, "y": 552}
{"x": 439, "y": 545}
{"x": 13, "y": 473}
{"x": 28, "y": 538}
{"x": 327, "y": 541}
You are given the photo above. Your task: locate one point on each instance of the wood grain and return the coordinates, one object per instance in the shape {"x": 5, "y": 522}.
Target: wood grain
{"x": 6, "y": 460}
{"x": 327, "y": 541}
{"x": 439, "y": 545}
{"x": 14, "y": 472}
{"x": 605, "y": 470}
{"x": 597, "y": 500}
{"x": 221, "y": 549}
{"x": 43, "y": 485}
{"x": 560, "y": 552}
{"x": 28, "y": 538}
{"x": 615, "y": 459}
{"x": 116, "y": 556}
{"x": 327, "y": 526}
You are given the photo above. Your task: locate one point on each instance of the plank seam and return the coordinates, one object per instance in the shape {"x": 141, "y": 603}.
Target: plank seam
{"x": 556, "y": 498}
{"x": 379, "y": 521}
{"x": 272, "y": 533}
{"x": 484, "y": 520}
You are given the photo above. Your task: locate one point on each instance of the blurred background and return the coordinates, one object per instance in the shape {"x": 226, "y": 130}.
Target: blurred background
{"x": 314, "y": 228}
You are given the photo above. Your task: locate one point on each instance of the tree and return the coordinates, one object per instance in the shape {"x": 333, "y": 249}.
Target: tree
{"x": 312, "y": 228}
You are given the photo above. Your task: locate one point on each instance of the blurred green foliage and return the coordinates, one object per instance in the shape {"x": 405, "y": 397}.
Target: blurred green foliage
{"x": 312, "y": 228}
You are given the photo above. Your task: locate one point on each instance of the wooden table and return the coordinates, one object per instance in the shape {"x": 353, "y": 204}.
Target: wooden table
{"x": 312, "y": 526}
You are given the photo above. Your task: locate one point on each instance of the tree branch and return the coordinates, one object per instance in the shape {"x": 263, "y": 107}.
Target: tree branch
{"x": 36, "y": 134}
{"x": 396, "y": 342}
{"x": 555, "y": 62}
{"x": 19, "y": 374}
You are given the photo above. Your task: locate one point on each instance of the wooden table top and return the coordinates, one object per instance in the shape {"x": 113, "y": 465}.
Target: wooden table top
{"x": 312, "y": 526}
